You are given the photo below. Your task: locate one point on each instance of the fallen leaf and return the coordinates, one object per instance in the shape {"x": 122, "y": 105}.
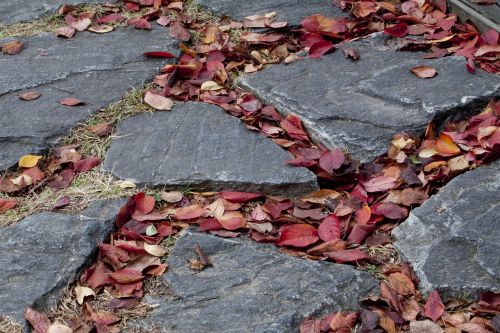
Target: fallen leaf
{"x": 239, "y": 197}
{"x": 154, "y": 250}
{"x": 232, "y": 220}
{"x": 425, "y": 72}
{"x": 401, "y": 284}
{"x": 30, "y": 95}
{"x": 189, "y": 212}
{"x": 158, "y": 102}
{"x": 202, "y": 256}
{"x": 6, "y": 204}
{"x": 139, "y": 23}
{"x": 62, "y": 202}
{"x": 331, "y": 160}
{"x": 145, "y": 203}
{"x": 82, "y": 292}
{"x": 347, "y": 255}
{"x": 86, "y": 164}
{"x": 320, "y": 48}
{"x": 329, "y": 229}
{"x": 380, "y": 183}
{"x": 71, "y": 101}
{"x": 310, "y": 325}
{"x": 172, "y": 196}
{"x": 59, "y": 328}
{"x": 29, "y": 161}
{"x": 424, "y": 326}
{"x": 298, "y": 235}
{"x": 434, "y": 308}
{"x": 100, "y": 28}
{"x": 66, "y": 32}
{"x": 211, "y": 85}
{"x": 352, "y": 53}
{"x": 38, "y": 321}
{"x": 101, "y": 130}
{"x": 12, "y": 48}
{"x": 159, "y": 54}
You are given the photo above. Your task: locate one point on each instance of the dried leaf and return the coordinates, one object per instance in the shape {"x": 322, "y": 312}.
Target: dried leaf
{"x": 298, "y": 235}
{"x": 434, "y": 308}
{"x": 29, "y": 161}
{"x": 232, "y": 220}
{"x": 158, "y": 102}
{"x": 71, "y": 101}
{"x": 425, "y": 72}
{"x": 329, "y": 229}
{"x": 82, "y": 292}
{"x": 12, "y": 48}
{"x": 30, "y": 95}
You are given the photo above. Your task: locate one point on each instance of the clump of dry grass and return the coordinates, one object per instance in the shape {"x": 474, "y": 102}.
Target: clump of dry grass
{"x": 8, "y": 325}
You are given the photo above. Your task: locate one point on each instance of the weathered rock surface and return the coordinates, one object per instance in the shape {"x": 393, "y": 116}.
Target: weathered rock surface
{"x": 252, "y": 287}
{"x": 291, "y": 11}
{"x": 95, "y": 68}
{"x": 360, "y": 105}
{"x": 200, "y": 146}
{"x": 453, "y": 239}
{"x": 43, "y": 252}
{"x": 13, "y": 11}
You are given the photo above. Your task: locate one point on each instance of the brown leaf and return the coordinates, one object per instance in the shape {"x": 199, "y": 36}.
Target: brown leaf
{"x": 310, "y": 325}
{"x": 401, "y": 284}
{"x": 425, "y": 326}
{"x": 352, "y": 53}
{"x": 30, "y": 95}
{"x": 100, "y": 129}
{"x": 202, "y": 256}
{"x": 425, "y": 72}
{"x": 71, "y": 101}
{"x": 6, "y": 204}
{"x": 12, "y": 48}
{"x": 67, "y": 32}
{"x": 344, "y": 322}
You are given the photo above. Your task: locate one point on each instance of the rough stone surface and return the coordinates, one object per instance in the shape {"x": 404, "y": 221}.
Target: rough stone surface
{"x": 12, "y": 11}
{"x": 200, "y": 146}
{"x": 96, "y": 68}
{"x": 360, "y": 105}
{"x": 291, "y": 11}
{"x": 453, "y": 239}
{"x": 252, "y": 287}
{"x": 43, "y": 252}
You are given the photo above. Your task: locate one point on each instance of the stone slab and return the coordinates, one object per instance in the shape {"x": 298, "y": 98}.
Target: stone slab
{"x": 198, "y": 145}
{"x": 252, "y": 287}
{"x": 13, "y": 11}
{"x": 42, "y": 253}
{"x": 453, "y": 239}
{"x": 96, "y": 68}
{"x": 360, "y": 105}
{"x": 291, "y": 11}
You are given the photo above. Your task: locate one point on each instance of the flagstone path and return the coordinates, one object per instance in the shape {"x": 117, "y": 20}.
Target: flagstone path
{"x": 252, "y": 287}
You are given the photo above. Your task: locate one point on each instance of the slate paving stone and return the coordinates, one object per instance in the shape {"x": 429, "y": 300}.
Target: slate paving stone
{"x": 43, "y": 252}
{"x": 13, "y": 11}
{"x": 200, "y": 146}
{"x": 95, "y": 68}
{"x": 252, "y": 287}
{"x": 291, "y": 11}
{"x": 453, "y": 239}
{"x": 360, "y": 105}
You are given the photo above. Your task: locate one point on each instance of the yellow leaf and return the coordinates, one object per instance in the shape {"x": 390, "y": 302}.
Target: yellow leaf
{"x": 211, "y": 85}
{"x": 29, "y": 161}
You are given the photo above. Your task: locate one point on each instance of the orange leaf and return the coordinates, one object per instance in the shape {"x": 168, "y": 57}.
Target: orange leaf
{"x": 232, "y": 220}
{"x": 446, "y": 146}
{"x": 401, "y": 284}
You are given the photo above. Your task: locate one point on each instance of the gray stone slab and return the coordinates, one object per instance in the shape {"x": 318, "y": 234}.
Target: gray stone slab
{"x": 200, "y": 146}
{"x": 42, "y": 253}
{"x": 360, "y": 105}
{"x": 96, "y": 68}
{"x": 453, "y": 239}
{"x": 13, "y": 11}
{"x": 291, "y": 11}
{"x": 252, "y": 287}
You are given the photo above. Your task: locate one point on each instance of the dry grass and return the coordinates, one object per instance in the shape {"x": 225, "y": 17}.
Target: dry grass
{"x": 8, "y": 325}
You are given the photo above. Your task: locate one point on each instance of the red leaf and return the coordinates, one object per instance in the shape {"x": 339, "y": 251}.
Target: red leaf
{"x": 434, "y": 308}
{"x": 239, "y": 197}
{"x": 390, "y": 210}
{"x": 6, "y": 204}
{"x": 62, "y": 202}
{"x": 491, "y": 36}
{"x": 145, "y": 203}
{"x": 139, "y": 23}
{"x": 424, "y": 72}
{"x": 329, "y": 229}
{"x": 111, "y": 18}
{"x": 86, "y": 164}
{"x": 347, "y": 255}
{"x": 210, "y": 224}
{"x": 159, "y": 54}
{"x": 127, "y": 276}
{"x": 331, "y": 160}
{"x": 71, "y": 101}
{"x": 39, "y": 321}
{"x": 298, "y": 235}
{"x": 359, "y": 233}
{"x": 97, "y": 275}
{"x": 320, "y": 48}
{"x": 397, "y": 30}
